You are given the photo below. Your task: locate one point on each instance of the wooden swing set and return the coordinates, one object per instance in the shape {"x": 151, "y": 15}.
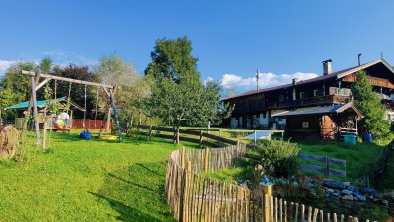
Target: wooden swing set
{"x": 36, "y": 85}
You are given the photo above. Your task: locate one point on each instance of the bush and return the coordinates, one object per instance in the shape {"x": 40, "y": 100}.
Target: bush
{"x": 279, "y": 158}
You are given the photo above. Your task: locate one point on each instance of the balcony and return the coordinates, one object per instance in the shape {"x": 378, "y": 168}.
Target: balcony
{"x": 312, "y": 101}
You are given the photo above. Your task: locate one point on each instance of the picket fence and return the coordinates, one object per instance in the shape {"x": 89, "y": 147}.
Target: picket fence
{"x": 192, "y": 196}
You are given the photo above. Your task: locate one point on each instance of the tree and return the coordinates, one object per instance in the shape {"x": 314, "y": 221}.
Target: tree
{"x": 370, "y": 106}
{"x": 6, "y": 100}
{"x": 18, "y": 83}
{"x": 177, "y": 93}
{"x": 46, "y": 65}
{"x": 77, "y": 90}
{"x": 131, "y": 89}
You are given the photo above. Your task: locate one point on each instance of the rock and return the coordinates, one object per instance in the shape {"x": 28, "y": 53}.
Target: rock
{"x": 361, "y": 197}
{"x": 334, "y": 184}
{"x": 385, "y": 202}
{"x": 330, "y": 190}
{"x": 335, "y": 195}
{"x": 295, "y": 184}
{"x": 309, "y": 184}
{"x": 354, "y": 189}
{"x": 368, "y": 191}
{"x": 347, "y": 197}
{"x": 347, "y": 192}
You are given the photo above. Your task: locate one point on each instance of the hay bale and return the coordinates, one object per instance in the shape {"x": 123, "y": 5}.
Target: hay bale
{"x": 8, "y": 142}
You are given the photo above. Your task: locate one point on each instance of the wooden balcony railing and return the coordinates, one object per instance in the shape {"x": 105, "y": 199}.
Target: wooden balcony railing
{"x": 312, "y": 101}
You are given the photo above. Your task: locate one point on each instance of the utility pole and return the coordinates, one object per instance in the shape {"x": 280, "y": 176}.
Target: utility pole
{"x": 257, "y": 79}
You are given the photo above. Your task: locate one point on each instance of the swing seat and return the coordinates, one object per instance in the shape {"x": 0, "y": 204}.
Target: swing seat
{"x": 85, "y": 135}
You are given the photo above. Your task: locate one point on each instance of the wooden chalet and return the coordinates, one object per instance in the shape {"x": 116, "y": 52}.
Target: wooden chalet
{"x": 257, "y": 108}
{"x": 327, "y": 122}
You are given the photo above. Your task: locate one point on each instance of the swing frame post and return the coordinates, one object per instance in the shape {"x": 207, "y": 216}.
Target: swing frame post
{"x": 36, "y": 85}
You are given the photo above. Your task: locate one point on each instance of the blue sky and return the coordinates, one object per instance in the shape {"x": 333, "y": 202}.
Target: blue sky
{"x": 283, "y": 39}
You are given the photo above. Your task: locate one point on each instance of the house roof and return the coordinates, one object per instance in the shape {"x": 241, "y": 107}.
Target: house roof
{"x": 42, "y": 104}
{"x": 320, "y": 110}
{"x": 337, "y": 75}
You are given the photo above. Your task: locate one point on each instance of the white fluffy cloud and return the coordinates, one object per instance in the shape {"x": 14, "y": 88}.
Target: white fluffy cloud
{"x": 4, "y": 64}
{"x": 233, "y": 81}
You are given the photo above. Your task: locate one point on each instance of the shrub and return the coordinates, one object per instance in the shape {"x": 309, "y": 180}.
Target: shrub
{"x": 279, "y": 158}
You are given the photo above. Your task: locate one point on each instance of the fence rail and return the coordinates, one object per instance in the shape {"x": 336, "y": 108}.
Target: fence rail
{"x": 195, "y": 197}
{"x": 327, "y": 170}
{"x": 194, "y": 136}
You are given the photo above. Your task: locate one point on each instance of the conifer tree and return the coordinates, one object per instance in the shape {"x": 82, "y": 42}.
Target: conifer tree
{"x": 369, "y": 104}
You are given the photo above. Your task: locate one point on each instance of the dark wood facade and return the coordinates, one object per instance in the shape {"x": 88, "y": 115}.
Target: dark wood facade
{"x": 254, "y": 109}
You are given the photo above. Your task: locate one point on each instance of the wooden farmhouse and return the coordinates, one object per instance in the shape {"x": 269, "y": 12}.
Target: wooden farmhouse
{"x": 278, "y": 107}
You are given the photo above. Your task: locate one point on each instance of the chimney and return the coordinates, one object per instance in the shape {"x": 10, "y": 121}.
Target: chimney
{"x": 294, "y": 82}
{"x": 327, "y": 67}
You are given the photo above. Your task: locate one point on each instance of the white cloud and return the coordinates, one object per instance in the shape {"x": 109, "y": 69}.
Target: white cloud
{"x": 4, "y": 64}
{"x": 233, "y": 81}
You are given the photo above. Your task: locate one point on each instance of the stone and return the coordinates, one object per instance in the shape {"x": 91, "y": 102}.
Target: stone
{"x": 309, "y": 184}
{"x": 334, "y": 184}
{"x": 354, "y": 189}
{"x": 361, "y": 197}
{"x": 368, "y": 191}
{"x": 330, "y": 190}
{"x": 347, "y": 197}
{"x": 347, "y": 192}
{"x": 385, "y": 202}
{"x": 335, "y": 195}
{"x": 295, "y": 184}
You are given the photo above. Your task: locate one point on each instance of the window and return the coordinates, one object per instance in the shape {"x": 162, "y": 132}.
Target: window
{"x": 305, "y": 125}
{"x": 281, "y": 98}
{"x": 302, "y": 95}
{"x": 316, "y": 92}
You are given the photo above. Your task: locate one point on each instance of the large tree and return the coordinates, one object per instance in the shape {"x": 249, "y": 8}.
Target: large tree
{"x": 177, "y": 94}
{"x": 18, "y": 83}
{"x": 131, "y": 89}
{"x": 369, "y": 103}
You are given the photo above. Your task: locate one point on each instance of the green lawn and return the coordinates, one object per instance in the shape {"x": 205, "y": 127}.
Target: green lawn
{"x": 359, "y": 158}
{"x": 79, "y": 180}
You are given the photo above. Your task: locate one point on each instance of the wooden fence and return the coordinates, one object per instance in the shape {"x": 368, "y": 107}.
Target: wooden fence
{"x": 89, "y": 123}
{"x": 189, "y": 135}
{"x": 195, "y": 197}
{"x": 327, "y": 170}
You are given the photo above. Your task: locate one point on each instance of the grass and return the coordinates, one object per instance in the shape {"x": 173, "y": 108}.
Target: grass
{"x": 80, "y": 180}
{"x": 359, "y": 158}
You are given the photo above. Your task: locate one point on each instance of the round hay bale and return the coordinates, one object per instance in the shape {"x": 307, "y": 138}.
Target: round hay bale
{"x": 8, "y": 142}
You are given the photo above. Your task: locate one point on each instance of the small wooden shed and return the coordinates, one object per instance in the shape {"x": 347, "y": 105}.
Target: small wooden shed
{"x": 327, "y": 122}
{"x": 41, "y": 104}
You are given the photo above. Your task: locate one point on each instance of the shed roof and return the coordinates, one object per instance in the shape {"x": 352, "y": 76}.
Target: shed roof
{"x": 42, "y": 104}
{"x": 320, "y": 110}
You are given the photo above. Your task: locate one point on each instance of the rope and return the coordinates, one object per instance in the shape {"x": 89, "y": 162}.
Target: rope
{"x": 84, "y": 113}
{"x": 55, "y": 88}
{"x": 95, "y": 117}
{"x": 68, "y": 98}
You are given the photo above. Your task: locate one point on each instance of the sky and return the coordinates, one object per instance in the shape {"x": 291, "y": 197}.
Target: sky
{"x": 231, "y": 39}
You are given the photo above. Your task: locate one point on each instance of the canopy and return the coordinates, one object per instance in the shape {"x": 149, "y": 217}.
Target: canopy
{"x": 42, "y": 104}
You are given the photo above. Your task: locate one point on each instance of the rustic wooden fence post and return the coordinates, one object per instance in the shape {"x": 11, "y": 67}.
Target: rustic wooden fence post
{"x": 186, "y": 194}
{"x": 150, "y": 132}
{"x": 177, "y": 135}
{"x": 201, "y": 138}
{"x": 183, "y": 155}
{"x": 206, "y": 159}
